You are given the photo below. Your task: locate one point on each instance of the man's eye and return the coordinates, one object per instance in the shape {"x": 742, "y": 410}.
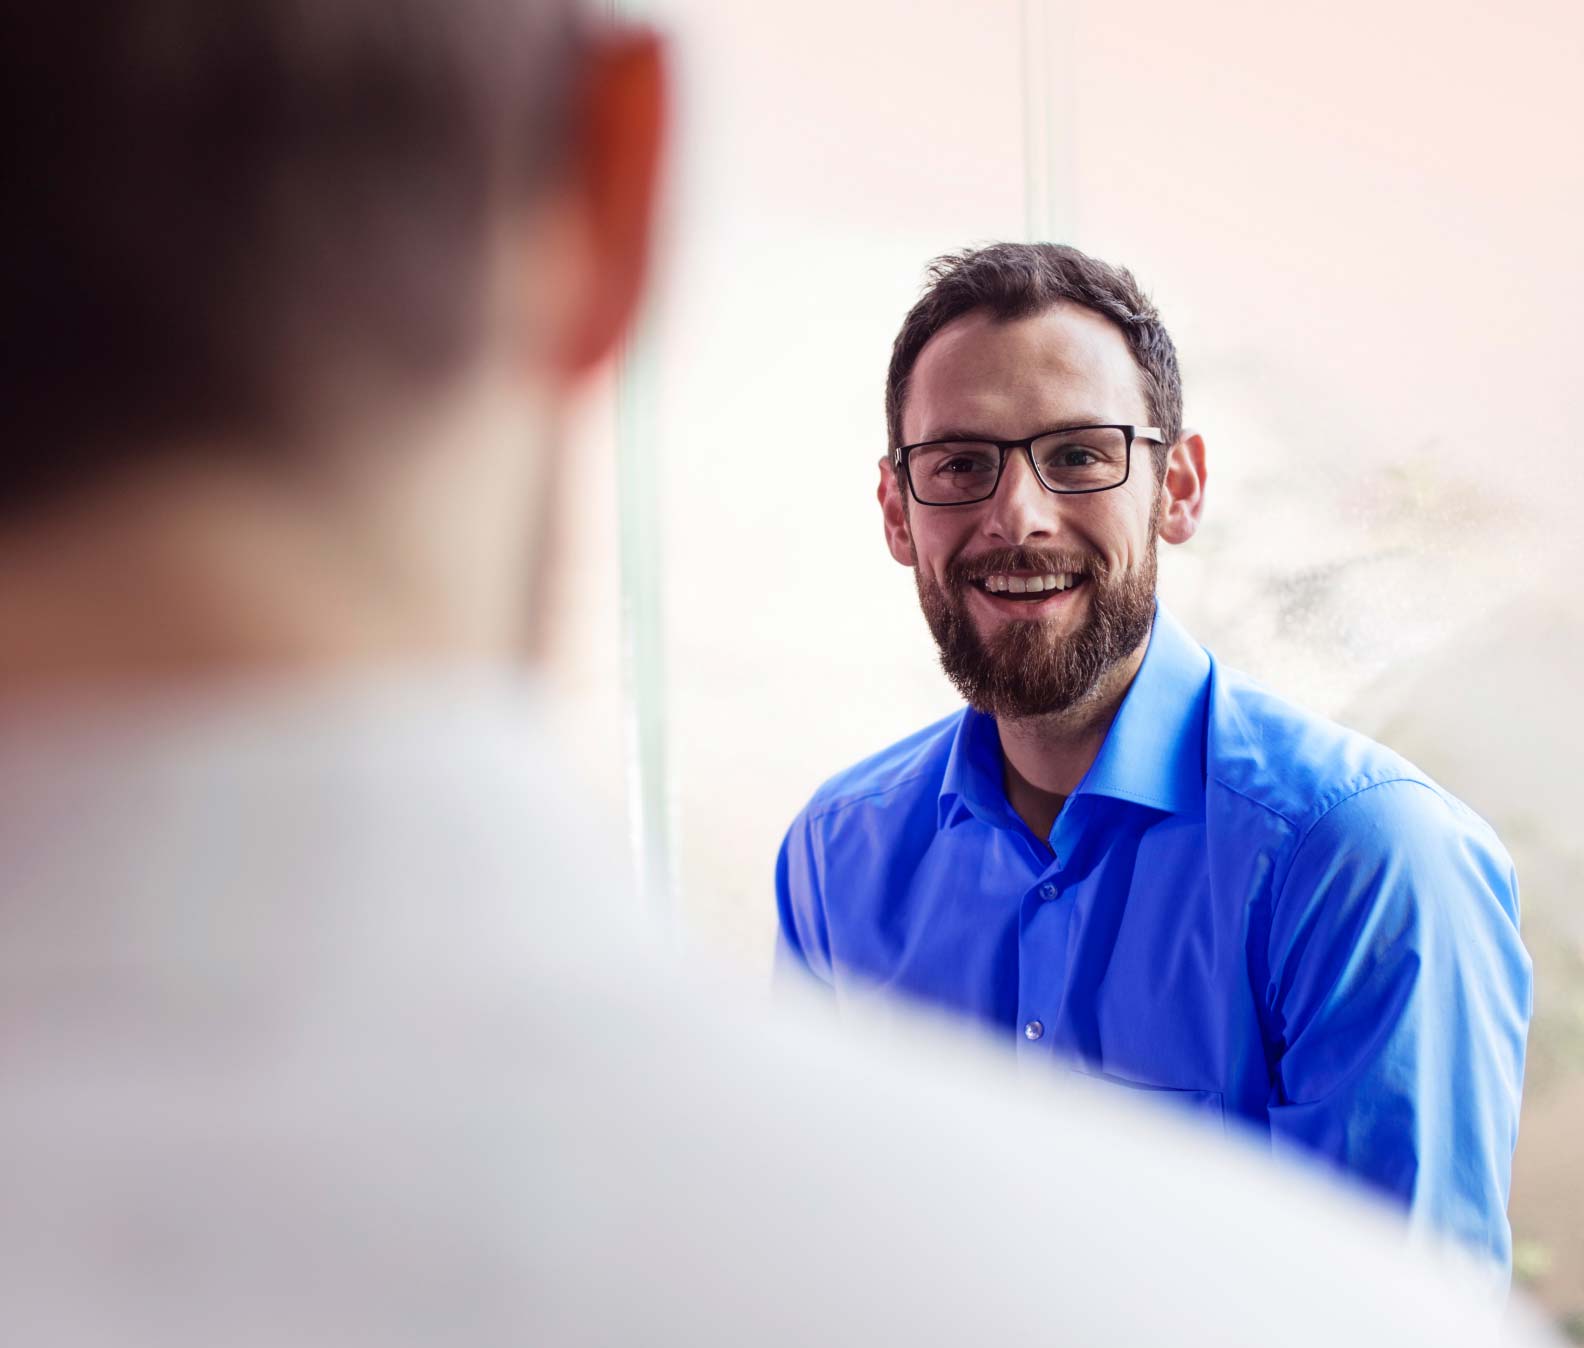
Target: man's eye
{"x": 959, "y": 466}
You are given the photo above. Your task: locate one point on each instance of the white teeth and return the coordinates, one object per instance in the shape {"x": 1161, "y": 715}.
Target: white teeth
{"x": 1003, "y": 584}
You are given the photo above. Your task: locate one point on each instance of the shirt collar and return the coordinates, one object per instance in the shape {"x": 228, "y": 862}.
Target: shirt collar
{"x": 971, "y": 785}
{"x": 1153, "y": 754}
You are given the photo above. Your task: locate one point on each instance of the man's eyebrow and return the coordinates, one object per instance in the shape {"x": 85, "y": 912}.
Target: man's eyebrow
{"x": 951, "y": 433}
{"x": 1066, "y": 424}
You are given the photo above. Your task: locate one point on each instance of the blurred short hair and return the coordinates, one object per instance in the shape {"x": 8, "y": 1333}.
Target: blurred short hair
{"x": 1017, "y": 280}
{"x": 219, "y": 211}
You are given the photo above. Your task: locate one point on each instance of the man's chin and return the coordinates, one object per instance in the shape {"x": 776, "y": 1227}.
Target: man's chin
{"x": 1043, "y": 659}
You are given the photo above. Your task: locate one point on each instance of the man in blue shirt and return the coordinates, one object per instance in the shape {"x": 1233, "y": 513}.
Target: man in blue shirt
{"x": 1125, "y": 857}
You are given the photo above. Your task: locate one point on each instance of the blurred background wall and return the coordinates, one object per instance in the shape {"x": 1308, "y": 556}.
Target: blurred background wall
{"x": 1361, "y": 225}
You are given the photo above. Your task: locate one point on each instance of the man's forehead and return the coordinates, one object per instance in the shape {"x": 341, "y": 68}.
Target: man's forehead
{"x": 1011, "y": 377}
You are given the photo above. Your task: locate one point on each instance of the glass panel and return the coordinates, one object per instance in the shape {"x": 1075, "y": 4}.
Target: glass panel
{"x": 810, "y": 186}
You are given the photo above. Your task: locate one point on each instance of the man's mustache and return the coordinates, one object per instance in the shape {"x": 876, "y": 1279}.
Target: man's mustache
{"x": 966, "y": 570}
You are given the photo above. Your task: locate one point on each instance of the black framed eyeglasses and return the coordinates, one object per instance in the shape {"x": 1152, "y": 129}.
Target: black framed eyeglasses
{"x": 1070, "y": 461}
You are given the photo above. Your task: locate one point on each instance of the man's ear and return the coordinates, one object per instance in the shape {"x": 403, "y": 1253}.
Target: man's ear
{"x": 1182, "y": 489}
{"x": 610, "y": 190}
{"x": 893, "y": 507}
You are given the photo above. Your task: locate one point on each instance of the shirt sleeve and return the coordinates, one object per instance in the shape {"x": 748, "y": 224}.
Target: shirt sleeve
{"x": 1400, "y": 996}
{"x": 803, "y": 941}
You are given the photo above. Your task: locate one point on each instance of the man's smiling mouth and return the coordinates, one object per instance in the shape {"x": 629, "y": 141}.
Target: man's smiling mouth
{"x": 1005, "y": 585}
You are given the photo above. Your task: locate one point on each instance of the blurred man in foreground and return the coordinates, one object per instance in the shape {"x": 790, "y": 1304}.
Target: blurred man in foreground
{"x": 322, "y": 1025}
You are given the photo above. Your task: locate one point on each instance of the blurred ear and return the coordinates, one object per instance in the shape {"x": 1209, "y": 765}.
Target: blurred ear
{"x": 893, "y": 507}
{"x": 1182, "y": 489}
{"x": 617, "y": 139}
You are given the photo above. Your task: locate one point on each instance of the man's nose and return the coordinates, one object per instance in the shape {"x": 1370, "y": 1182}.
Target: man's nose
{"x": 1021, "y": 509}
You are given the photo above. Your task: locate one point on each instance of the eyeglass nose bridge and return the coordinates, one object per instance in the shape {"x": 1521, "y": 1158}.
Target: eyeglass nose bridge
{"x": 1007, "y": 451}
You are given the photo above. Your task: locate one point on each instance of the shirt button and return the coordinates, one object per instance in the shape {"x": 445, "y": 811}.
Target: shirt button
{"x": 1033, "y": 1030}
{"x": 1047, "y": 892}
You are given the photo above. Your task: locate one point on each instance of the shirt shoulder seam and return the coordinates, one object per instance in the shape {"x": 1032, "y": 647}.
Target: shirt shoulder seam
{"x": 1329, "y": 810}
{"x": 1265, "y": 805}
{"x": 1296, "y": 821}
{"x": 815, "y": 813}
{"x": 1400, "y": 778}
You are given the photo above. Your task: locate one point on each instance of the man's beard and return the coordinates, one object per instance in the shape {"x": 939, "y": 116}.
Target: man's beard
{"x": 1026, "y": 668}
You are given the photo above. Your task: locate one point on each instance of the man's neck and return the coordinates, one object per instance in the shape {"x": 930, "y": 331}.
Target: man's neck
{"x": 400, "y": 531}
{"x": 1045, "y": 757}
{"x": 192, "y": 575}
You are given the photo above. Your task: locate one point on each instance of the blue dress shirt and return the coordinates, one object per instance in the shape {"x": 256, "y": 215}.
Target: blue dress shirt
{"x": 1265, "y": 915}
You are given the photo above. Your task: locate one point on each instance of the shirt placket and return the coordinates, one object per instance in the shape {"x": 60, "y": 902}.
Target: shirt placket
{"x": 1043, "y": 922}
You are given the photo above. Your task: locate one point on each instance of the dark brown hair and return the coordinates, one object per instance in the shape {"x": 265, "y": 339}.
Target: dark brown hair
{"x": 215, "y": 208}
{"x": 1015, "y": 280}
